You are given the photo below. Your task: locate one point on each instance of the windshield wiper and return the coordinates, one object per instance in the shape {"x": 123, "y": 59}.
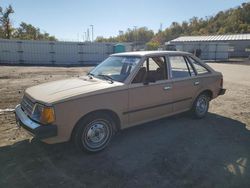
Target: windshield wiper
{"x": 107, "y": 77}
{"x": 90, "y": 75}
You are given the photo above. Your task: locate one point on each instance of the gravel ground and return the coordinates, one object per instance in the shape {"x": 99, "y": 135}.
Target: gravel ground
{"x": 173, "y": 152}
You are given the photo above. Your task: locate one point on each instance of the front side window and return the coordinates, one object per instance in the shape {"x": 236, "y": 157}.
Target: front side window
{"x": 153, "y": 69}
{"x": 180, "y": 68}
{"x": 198, "y": 67}
{"x": 116, "y": 68}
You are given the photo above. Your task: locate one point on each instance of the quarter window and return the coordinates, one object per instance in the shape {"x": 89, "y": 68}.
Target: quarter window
{"x": 198, "y": 67}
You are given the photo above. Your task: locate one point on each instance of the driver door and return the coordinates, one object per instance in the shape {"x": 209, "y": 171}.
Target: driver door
{"x": 150, "y": 93}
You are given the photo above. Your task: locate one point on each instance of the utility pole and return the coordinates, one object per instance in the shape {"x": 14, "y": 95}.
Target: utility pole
{"x": 161, "y": 27}
{"x": 85, "y": 34}
{"x": 135, "y": 29}
{"x": 88, "y": 39}
{"x": 121, "y": 32}
{"x": 92, "y": 29}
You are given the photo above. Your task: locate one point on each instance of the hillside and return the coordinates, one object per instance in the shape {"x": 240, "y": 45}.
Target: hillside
{"x": 232, "y": 21}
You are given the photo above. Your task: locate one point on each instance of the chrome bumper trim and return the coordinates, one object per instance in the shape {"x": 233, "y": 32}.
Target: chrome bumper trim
{"x": 37, "y": 130}
{"x": 25, "y": 119}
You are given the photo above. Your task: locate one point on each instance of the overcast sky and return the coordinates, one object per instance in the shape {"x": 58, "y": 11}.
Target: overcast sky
{"x": 69, "y": 19}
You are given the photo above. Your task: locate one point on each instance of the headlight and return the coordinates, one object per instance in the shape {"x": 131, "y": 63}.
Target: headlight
{"x": 43, "y": 114}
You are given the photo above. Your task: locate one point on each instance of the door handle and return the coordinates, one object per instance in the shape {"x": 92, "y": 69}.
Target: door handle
{"x": 167, "y": 88}
{"x": 196, "y": 83}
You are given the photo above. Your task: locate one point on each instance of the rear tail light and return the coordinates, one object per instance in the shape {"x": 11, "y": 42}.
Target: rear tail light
{"x": 221, "y": 82}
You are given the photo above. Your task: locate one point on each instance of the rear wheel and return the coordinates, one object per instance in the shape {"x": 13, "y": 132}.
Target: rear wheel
{"x": 200, "y": 106}
{"x": 94, "y": 132}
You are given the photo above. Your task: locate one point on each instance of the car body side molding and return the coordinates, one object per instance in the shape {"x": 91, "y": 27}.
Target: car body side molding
{"x": 155, "y": 106}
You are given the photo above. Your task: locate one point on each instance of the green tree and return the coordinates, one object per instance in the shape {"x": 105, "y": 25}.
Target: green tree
{"x": 29, "y": 32}
{"x": 152, "y": 45}
{"x": 1, "y": 32}
{"x": 140, "y": 35}
{"x": 6, "y": 27}
{"x": 24, "y": 31}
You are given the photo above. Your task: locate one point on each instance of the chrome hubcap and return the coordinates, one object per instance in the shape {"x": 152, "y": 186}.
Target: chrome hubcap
{"x": 97, "y": 133}
{"x": 201, "y": 105}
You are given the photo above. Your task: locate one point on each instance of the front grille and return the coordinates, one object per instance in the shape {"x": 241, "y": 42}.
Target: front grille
{"x": 27, "y": 105}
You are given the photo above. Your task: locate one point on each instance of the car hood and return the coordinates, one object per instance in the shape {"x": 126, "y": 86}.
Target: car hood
{"x": 57, "y": 91}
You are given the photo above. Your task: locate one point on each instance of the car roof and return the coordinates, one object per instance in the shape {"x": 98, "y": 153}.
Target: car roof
{"x": 149, "y": 53}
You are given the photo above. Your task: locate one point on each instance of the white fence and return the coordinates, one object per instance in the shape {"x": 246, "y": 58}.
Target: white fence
{"x": 53, "y": 53}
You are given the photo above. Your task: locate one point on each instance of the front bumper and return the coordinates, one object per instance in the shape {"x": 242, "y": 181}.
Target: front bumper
{"x": 222, "y": 91}
{"x": 37, "y": 130}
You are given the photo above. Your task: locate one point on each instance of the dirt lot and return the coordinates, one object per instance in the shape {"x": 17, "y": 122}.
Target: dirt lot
{"x": 173, "y": 152}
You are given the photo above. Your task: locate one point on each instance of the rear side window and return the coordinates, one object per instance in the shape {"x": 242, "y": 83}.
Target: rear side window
{"x": 180, "y": 68}
{"x": 198, "y": 67}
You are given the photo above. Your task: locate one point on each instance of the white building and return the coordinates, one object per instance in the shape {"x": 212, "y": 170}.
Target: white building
{"x": 215, "y": 47}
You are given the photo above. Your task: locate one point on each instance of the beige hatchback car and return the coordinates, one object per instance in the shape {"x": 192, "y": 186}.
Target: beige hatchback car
{"x": 125, "y": 90}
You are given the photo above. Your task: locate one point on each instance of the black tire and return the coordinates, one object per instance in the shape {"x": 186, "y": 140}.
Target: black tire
{"x": 200, "y": 106}
{"x": 94, "y": 132}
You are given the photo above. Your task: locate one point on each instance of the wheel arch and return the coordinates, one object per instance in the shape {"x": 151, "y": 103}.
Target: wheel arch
{"x": 208, "y": 92}
{"x": 114, "y": 116}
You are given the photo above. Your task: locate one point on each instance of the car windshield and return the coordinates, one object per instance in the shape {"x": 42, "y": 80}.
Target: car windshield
{"x": 115, "y": 68}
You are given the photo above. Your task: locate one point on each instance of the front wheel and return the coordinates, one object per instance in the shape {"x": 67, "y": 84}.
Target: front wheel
{"x": 200, "y": 106}
{"x": 93, "y": 133}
